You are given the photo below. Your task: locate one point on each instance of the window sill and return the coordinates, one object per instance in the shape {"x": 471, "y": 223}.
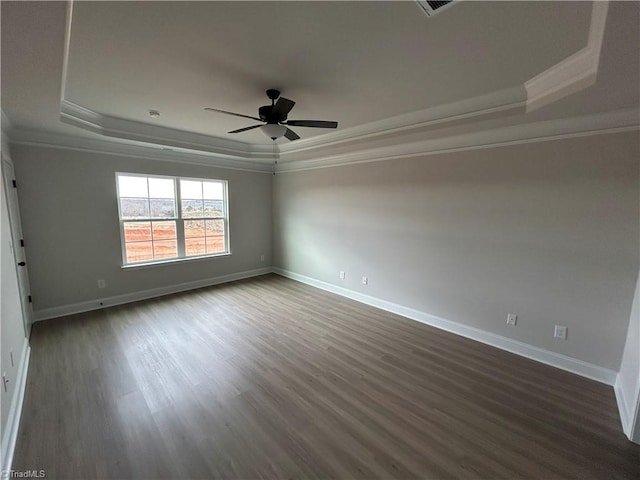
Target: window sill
{"x": 133, "y": 266}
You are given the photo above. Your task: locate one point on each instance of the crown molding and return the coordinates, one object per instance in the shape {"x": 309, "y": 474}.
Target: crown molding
{"x": 574, "y": 73}
{"x": 610, "y": 122}
{"x": 146, "y": 151}
{"x": 105, "y": 125}
{"x": 483, "y": 107}
{"x": 66, "y": 48}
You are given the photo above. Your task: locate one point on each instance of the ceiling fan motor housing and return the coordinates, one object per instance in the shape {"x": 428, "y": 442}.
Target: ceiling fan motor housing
{"x": 265, "y": 114}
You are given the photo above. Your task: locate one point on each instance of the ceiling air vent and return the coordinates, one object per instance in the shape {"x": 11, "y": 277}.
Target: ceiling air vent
{"x": 433, "y": 7}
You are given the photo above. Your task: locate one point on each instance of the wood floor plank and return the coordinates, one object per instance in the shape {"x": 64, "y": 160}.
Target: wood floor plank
{"x": 269, "y": 378}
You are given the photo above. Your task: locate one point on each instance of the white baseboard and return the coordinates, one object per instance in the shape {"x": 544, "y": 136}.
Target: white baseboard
{"x": 10, "y": 435}
{"x": 623, "y": 408}
{"x": 54, "y": 312}
{"x": 563, "y": 362}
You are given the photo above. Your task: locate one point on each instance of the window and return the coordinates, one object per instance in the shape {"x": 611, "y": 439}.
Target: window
{"x": 163, "y": 218}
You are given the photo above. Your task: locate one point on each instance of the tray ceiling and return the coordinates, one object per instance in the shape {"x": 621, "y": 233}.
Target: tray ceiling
{"x": 372, "y": 66}
{"x": 355, "y": 62}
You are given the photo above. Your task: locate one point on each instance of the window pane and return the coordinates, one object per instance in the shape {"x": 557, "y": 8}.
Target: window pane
{"x": 194, "y": 228}
{"x": 212, "y": 190}
{"x": 162, "y": 208}
{"x": 165, "y": 249}
{"x": 164, "y": 230}
{"x": 192, "y": 208}
{"x": 161, "y": 188}
{"x": 195, "y": 246}
{"x": 139, "y": 251}
{"x": 137, "y": 231}
{"x": 215, "y": 227}
{"x": 213, "y": 208}
{"x": 132, "y": 186}
{"x": 215, "y": 236}
{"x": 191, "y": 189}
{"x": 134, "y": 208}
{"x": 215, "y": 245}
{"x": 150, "y": 214}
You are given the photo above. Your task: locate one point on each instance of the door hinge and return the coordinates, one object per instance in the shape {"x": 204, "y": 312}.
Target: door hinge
{"x": 22, "y": 242}
{"x": 15, "y": 185}
{"x": 30, "y": 299}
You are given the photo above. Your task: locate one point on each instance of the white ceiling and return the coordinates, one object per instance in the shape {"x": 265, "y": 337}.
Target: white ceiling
{"x": 354, "y": 62}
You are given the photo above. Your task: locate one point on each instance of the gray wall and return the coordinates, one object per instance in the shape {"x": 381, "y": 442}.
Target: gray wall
{"x": 70, "y": 221}
{"x": 547, "y": 230}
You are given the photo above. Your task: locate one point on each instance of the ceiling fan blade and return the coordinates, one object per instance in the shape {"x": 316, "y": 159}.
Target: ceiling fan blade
{"x": 312, "y": 123}
{"x": 245, "y": 129}
{"x": 232, "y": 113}
{"x": 282, "y": 107}
{"x": 291, "y": 135}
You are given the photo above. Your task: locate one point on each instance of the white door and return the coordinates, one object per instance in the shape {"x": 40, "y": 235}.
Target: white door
{"x": 8, "y": 176}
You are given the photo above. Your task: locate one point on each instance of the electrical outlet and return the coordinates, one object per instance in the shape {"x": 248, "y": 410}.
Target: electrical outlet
{"x": 342, "y": 275}
{"x": 560, "y": 332}
{"x": 102, "y": 283}
{"x": 365, "y": 280}
{"x": 262, "y": 258}
{"x": 512, "y": 319}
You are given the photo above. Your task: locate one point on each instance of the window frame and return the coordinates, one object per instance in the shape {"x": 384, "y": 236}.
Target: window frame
{"x": 179, "y": 221}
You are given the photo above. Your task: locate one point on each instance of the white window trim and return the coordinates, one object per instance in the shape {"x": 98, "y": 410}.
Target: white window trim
{"x": 170, "y": 261}
{"x": 180, "y": 238}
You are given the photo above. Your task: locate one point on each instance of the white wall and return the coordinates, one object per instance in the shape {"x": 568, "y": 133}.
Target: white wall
{"x": 547, "y": 230}
{"x": 628, "y": 381}
{"x": 70, "y": 224}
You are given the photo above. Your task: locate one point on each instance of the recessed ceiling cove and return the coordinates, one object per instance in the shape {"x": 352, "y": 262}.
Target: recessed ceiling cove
{"x": 353, "y": 62}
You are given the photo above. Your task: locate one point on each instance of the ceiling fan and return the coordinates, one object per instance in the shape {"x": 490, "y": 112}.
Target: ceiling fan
{"x": 274, "y": 118}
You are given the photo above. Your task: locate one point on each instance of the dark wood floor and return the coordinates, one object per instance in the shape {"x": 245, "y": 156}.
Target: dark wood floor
{"x": 270, "y": 378}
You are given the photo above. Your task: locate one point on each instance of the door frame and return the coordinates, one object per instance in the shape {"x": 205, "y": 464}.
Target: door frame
{"x": 17, "y": 248}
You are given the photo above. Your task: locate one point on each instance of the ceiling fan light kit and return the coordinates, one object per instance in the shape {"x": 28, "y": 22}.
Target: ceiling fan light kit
{"x": 273, "y": 130}
{"x": 275, "y": 120}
